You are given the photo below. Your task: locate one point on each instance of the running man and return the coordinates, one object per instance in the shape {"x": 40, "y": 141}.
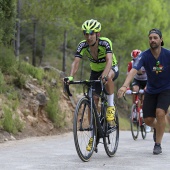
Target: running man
{"x": 156, "y": 61}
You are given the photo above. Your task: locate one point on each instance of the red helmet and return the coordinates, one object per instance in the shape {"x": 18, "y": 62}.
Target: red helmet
{"x": 135, "y": 53}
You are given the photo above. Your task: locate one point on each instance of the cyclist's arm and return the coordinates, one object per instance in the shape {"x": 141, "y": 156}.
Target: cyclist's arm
{"x": 75, "y": 66}
{"x": 108, "y": 64}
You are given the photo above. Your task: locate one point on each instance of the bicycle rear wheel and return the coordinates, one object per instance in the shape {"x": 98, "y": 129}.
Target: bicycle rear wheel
{"x": 83, "y": 129}
{"x": 134, "y": 122}
{"x": 111, "y": 139}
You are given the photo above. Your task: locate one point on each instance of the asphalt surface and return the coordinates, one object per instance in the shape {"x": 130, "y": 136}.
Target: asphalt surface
{"x": 58, "y": 152}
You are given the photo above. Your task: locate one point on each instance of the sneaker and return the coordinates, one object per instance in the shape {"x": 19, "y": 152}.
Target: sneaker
{"x": 157, "y": 149}
{"x": 154, "y": 134}
{"x": 89, "y": 146}
{"x": 148, "y": 129}
{"x": 110, "y": 113}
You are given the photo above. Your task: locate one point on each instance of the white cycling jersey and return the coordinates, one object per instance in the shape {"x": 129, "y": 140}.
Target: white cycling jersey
{"x": 140, "y": 77}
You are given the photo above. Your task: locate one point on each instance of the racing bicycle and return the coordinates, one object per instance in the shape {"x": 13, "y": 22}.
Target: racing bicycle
{"x": 136, "y": 118}
{"x": 90, "y": 121}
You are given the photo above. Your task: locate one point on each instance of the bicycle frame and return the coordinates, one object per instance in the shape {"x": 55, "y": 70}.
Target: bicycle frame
{"x": 137, "y": 100}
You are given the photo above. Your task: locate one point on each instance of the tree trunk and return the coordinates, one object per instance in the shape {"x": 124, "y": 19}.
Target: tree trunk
{"x": 64, "y": 51}
{"x": 17, "y": 35}
{"x": 42, "y": 48}
{"x": 34, "y": 43}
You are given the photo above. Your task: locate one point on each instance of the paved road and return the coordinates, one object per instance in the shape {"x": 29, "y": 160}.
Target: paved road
{"x": 58, "y": 152}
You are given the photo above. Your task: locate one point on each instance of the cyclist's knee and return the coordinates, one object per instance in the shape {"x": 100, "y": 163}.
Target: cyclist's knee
{"x": 112, "y": 76}
{"x": 136, "y": 88}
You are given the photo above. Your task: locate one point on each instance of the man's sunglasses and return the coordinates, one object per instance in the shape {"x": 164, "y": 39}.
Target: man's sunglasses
{"x": 91, "y": 32}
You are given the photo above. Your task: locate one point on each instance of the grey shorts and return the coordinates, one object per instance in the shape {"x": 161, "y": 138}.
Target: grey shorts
{"x": 153, "y": 101}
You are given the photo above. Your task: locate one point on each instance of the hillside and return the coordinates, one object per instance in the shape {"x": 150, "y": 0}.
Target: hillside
{"x": 32, "y": 109}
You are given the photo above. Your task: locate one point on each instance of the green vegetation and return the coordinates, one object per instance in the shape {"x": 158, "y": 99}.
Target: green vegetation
{"x": 41, "y": 31}
{"x": 13, "y": 76}
{"x": 125, "y": 23}
{"x": 53, "y": 109}
{"x": 11, "y": 122}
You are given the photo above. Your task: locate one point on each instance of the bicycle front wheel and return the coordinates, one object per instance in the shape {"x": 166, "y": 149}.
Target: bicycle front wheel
{"x": 84, "y": 128}
{"x": 143, "y": 130}
{"x": 111, "y": 139}
{"x": 134, "y": 122}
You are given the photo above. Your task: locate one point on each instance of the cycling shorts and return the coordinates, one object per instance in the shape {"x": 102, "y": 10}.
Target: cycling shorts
{"x": 153, "y": 101}
{"x": 139, "y": 83}
{"x": 95, "y": 76}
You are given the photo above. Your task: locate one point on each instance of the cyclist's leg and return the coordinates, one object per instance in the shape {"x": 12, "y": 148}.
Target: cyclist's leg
{"x": 142, "y": 85}
{"x": 112, "y": 128}
{"x": 95, "y": 76}
{"x": 135, "y": 88}
{"x": 113, "y": 75}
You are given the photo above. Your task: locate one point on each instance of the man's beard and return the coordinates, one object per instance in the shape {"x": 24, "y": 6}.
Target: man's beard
{"x": 154, "y": 46}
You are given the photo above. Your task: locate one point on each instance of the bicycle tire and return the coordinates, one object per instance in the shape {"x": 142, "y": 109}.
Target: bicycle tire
{"x": 82, "y": 130}
{"x": 143, "y": 130}
{"x": 111, "y": 139}
{"x": 134, "y": 122}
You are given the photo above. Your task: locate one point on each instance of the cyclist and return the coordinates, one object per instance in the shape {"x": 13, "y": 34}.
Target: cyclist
{"x": 156, "y": 61}
{"x": 103, "y": 63}
{"x": 140, "y": 79}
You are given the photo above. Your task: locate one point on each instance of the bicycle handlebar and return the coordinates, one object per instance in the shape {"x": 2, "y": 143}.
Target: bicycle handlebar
{"x": 86, "y": 82}
{"x": 141, "y": 91}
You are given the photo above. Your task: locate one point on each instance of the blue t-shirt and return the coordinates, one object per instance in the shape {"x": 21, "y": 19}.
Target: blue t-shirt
{"x": 157, "y": 70}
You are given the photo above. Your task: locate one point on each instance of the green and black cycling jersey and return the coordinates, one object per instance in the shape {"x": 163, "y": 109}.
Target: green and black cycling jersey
{"x": 104, "y": 47}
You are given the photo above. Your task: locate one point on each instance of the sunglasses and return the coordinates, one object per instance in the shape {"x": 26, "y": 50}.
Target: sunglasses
{"x": 91, "y": 32}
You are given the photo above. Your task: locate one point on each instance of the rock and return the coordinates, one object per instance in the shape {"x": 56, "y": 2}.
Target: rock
{"x": 33, "y": 121}
{"x": 41, "y": 97}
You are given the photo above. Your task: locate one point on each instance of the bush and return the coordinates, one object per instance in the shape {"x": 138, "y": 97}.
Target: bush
{"x": 20, "y": 80}
{"x": 28, "y": 69}
{"x": 53, "y": 109}
{"x": 2, "y": 83}
{"x": 8, "y": 62}
{"x": 10, "y": 124}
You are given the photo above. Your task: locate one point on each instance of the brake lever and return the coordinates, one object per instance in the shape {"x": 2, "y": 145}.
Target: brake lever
{"x": 66, "y": 87}
{"x": 124, "y": 97}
